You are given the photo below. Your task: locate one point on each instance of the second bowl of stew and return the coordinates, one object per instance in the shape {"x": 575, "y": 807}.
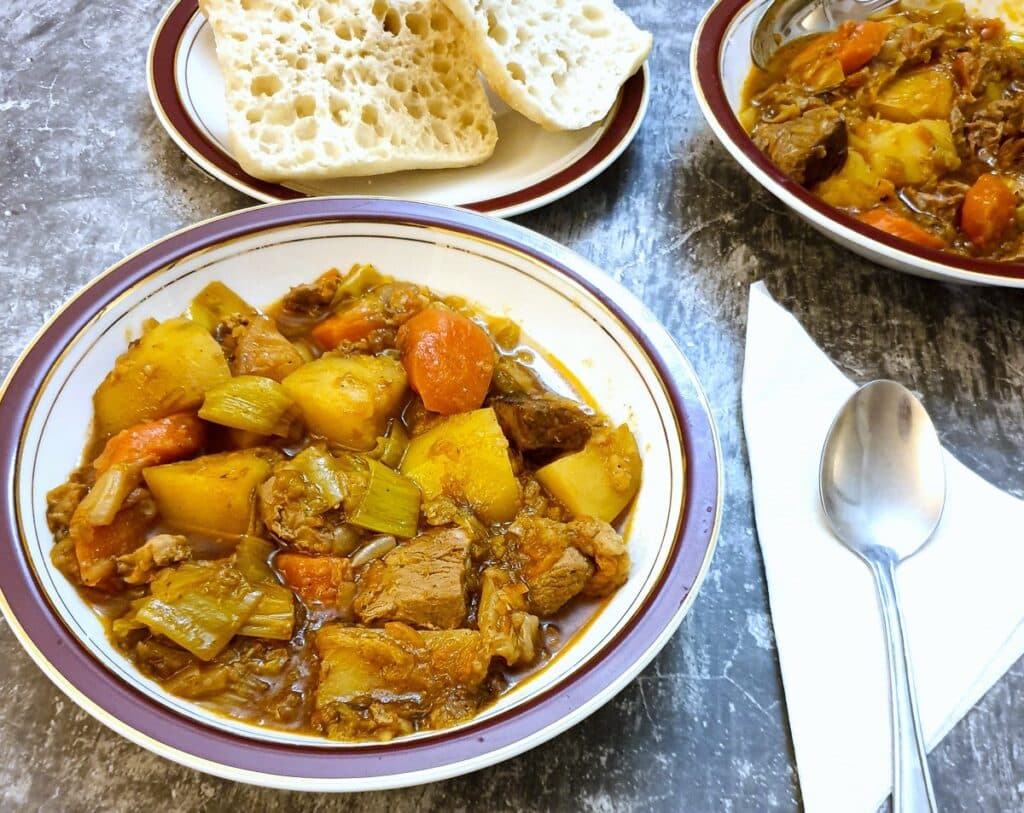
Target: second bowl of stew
{"x": 361, "y": 475}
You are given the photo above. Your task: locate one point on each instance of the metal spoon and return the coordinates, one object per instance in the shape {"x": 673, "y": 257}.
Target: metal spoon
{"x": 883, "y": 487}
{"x": 785, "y": 20}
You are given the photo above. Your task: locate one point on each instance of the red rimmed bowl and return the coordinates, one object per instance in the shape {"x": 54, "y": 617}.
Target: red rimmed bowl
{"x": 618, "y": 350}
{"x": 719, "y": 65}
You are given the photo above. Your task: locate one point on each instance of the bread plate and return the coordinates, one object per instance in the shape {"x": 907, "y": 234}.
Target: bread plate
{"x": 530, "y": 168}
{"x": 720, "y": 63}
{"x": 622, "y": 356}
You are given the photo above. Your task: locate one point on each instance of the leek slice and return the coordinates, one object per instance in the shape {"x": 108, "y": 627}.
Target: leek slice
{"x": 323, "y": 472}
{"x": 390, "y": 504}
{"x": 215, "y": 303}
{"x": 390, "y": 448}
{"x": 274, "y": 614}
{"x": 251, "y": 403}
{"x": 200, "y": 606}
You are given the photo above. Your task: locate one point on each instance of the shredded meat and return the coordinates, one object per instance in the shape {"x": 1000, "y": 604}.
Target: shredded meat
{"x": 542, "y": 425}
{"x": 313, "y": 300}
{"x": 421, "y": 582}
{"x": 255, "y": 346}
{"x": 507, "y": 629}
{"x": 140, "y": 566}
{"x": 995, "y": 132}
{"x": 62, "y": 501}
{"x": 291, "y": 511}
{"x": 914, "y": 44}
{"x": 943, "y": 201}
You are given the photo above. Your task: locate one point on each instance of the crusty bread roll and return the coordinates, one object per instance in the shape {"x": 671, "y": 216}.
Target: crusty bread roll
{"x": 558, "y": 62}
{"x": 332, "y": 88}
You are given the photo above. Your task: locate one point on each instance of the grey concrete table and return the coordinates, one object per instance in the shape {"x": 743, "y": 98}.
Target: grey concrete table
{"x": 87, "y": 176}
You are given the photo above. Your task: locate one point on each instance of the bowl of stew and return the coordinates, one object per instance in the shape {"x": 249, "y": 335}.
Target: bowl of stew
{"x": 350, "y": 494}
{"x": 900, "y": 137}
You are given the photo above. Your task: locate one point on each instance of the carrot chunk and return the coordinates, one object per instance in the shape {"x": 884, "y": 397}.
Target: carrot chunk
{"x": 859, "y": 43}
{"x": 351, "y": 325}
{"x": 315, "y": 579}
{"x": 902, "y": 228}
{"x": 448, "y": 358}
{"x": 988, "y": 210}
{"x": 148, "y": 444}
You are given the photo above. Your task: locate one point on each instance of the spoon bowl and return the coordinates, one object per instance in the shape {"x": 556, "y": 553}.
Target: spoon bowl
{"x": 786, "y": 20}
{"x": 883, "y": 487}
{"x": 882, "y": 479}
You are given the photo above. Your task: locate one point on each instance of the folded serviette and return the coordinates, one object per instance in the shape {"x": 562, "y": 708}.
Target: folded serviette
{"x": 961, "y": 595}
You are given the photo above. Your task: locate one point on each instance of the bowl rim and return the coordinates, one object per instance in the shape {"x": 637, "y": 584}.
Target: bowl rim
{"x": 708, "y": 86}
{"x": 148, "y": 723}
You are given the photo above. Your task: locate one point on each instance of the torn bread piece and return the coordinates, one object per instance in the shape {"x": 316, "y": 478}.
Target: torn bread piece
{"x": 560, "y": 63}
{"x": 333, "y": 88}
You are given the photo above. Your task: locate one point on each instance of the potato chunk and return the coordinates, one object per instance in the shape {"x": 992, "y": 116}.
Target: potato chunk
{"x": 600, "y": 479}
{"x": 214, "y": 493}
{"x": 465, "y": 457}
{"x": 348, "y": 399}
{"x": 855, "y": 186}
{"x": 926, "y": 93}
{"x": 906, "y": 153}
{"x": 169, "y": 370}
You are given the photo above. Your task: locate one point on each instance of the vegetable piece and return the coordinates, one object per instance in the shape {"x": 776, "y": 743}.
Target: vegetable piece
{"x": 359, "y": 279}
{"x": 816, "y": 66}
{"x": 214, "y": 493}
{"x": 374, "y": 549}
{"x": 315, "y": 579}
{"x": 449, "y": 360}
{"x": 348, "y": 399}
{"x": 355, "y": 664}
{"x": 98, "y": 546}
{"x": 901, "y": 227}
{"x": 353, "y": 324}
{"x": 274, "y": 614}
{"x": 390, "y": 448}
{"x": 858, "y": 43}
{"x": 169, "y": 370}
{"x": 390, "y": 504}
{"x": 989, "y": 208}
{"x": 855, "y": 186}
{"x": 147, "y": 444}
{"x": 251, "y": 403}
{"x": 600, "y": 479}
{"x": 215, "y": 303}
{"x": 324, "y": 472}
{"x": 198, "y": 605}
{"x": 108, "y": 493}
{"x": 906, "y": 153}
{"x": 506, "y": 628}
{"x": 465, "y": 457}
{"x": 927, "y": 93}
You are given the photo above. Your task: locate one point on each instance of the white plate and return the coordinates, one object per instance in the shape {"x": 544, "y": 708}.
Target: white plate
{"x": 531, "y": 166}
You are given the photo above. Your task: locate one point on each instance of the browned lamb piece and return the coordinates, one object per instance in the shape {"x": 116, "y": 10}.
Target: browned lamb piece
{"x": 421, "y": 582}
{"x": 542, "y": 425}
{"x": 807, "y": 149}
{"x": 256, "y": 347}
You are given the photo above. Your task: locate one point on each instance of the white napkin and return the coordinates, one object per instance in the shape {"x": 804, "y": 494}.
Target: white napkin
{"x": 962, "y": 595}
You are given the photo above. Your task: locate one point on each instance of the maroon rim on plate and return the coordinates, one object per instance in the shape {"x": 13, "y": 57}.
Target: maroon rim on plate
{"x": 708, "y": 50}
{"x": 201, "y": 745}
{"x": 162, "y": 57}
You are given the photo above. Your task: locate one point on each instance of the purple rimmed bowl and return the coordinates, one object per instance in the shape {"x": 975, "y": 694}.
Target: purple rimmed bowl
{"x": 620, "y": 353}
{"x": 720, "y": 63}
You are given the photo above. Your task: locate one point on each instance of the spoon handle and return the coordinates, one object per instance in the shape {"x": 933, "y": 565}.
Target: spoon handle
{"x": 912, "y": 784}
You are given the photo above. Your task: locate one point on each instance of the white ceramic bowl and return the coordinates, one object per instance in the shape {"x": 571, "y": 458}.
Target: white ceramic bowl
{"x": 720, "y": 63}
{"x": 623, "y": 357}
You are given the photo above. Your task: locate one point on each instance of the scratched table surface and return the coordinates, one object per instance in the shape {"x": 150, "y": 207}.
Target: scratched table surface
{"x": 87, "y": 175}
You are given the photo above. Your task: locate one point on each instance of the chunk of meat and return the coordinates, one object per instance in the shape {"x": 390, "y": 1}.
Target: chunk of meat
{"x": 508, "y": 630}
{"x": 294, "y": 512}
{"x": 559, "y": 560}
{"x": 602, "y": 543}
{"x": 255, "y": 346}
{"x": 140, "y": 566}
{"x": 542, "y": 425}
{"x": 807, "y": 149}
{"x": 941, "y": 202}
{"x": 62, "y": 501}
{"x": 313, "y": 300}
{"x": 554, "y": 571}
{"x": 421, "y": 582}
{"x": 909, "y": 45}
{"x": 386, "y": 682}
{"x": 994, "y": 132}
